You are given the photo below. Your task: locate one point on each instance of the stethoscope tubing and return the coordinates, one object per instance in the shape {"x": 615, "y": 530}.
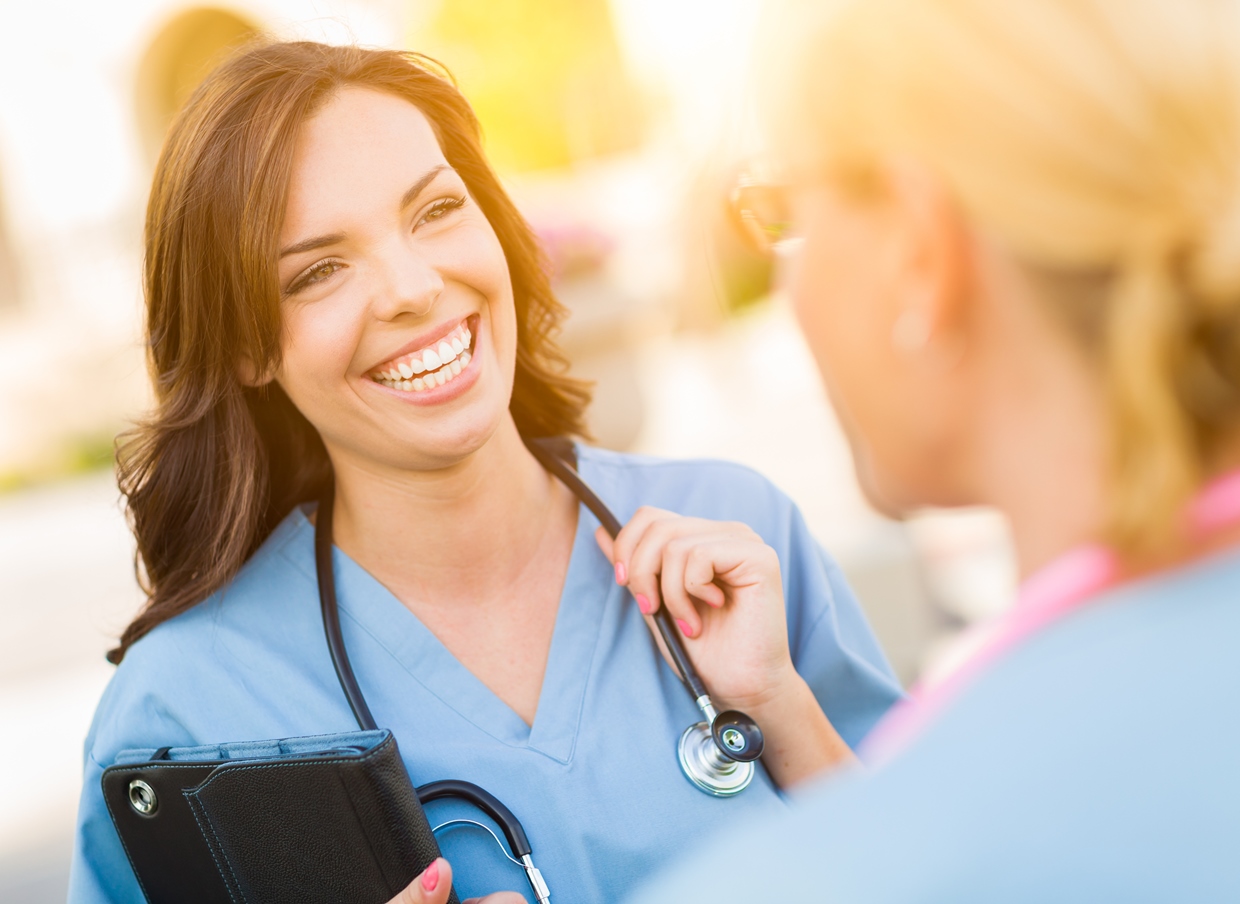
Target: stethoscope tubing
{"x": 667, "y": 629}
{"x": 488, "y": 803}
{"x": 558, "y": 465}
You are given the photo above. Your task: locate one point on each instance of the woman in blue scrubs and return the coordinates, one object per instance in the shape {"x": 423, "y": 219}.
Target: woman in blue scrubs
{"x": 1020, "y": 274}
{"x": 337, "y": 286}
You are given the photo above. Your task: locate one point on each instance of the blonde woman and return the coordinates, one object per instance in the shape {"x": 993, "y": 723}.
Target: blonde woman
{"x": 1020, "y": 274}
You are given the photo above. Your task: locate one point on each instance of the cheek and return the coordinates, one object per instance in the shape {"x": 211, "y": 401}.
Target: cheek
{"x": 474, "y": 258}
{"x": 319, "y": 342}
{"x": 840, "y": 292}
{"x": 838, "y": 305}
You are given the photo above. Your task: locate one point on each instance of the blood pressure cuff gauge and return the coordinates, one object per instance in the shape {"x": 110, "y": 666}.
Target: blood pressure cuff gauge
{"x": 302, "y": 820}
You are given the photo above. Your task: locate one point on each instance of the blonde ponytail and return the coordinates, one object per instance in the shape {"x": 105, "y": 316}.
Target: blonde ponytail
{"x": 1099, "y": 141}
{"x": 1155, "y": 463}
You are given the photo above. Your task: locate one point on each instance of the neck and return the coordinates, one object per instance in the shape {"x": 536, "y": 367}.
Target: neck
{"x": 458, "y": 533}
{"x": 1038, "y": 449}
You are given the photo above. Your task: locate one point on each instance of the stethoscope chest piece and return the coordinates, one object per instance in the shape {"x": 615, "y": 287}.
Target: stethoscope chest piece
{"x": 718, "y": 756}
{"x": 707, "y": 768}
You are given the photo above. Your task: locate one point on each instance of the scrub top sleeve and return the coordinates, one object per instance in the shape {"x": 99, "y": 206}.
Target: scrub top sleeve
{"x": 99, "y": 872}
{"x": 130, "y": 714}
{"x": 833, "y": 647}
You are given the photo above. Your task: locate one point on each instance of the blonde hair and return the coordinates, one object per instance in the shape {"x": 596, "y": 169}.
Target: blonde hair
{"x": 1100, "y": 141}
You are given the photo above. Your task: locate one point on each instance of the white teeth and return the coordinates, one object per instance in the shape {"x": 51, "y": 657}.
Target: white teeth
{"x": 445, "y": 374}
{"x": 452, "y": 354}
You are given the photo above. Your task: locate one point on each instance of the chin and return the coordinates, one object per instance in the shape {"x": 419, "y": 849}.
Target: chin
{"x": 455, "y": 439}
{"x": 877, "y": 495}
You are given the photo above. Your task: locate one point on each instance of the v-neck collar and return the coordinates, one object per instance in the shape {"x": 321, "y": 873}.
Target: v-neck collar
{"x": 585, "y": 601}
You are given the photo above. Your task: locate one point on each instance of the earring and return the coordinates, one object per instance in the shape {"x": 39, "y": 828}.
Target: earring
{"x": 911, "y": 331}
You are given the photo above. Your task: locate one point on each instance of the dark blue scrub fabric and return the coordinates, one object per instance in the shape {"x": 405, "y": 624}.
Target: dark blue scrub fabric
{"x": 1098, "y": 762}
{"x": 595, "y": 780}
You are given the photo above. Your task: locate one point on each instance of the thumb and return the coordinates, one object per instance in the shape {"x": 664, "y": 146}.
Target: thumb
{"x": 432, "y": 887}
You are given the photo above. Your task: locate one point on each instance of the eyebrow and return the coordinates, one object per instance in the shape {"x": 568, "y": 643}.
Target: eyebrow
{"x": 406, "y": 199}
{"x": 416, "y": 189}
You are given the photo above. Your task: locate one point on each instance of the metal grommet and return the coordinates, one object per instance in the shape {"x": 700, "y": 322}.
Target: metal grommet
{"x": 142, "y": 797}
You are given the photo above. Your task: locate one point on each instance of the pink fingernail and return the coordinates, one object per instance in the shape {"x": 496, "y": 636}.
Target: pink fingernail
{"x": 644, "y": 604}
{"x": 622, "y": 573}
{"x": 684, "y": 627}
{"x": 430, "y": 878}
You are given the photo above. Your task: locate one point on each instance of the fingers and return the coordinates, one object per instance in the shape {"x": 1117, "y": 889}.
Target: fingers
{"x": 432, "y": 887}
{"x": 672, "y": 583}
{"x": 664, "y": 558}
{"x": 499, "y": 897}
{"x": 639, "y": 573}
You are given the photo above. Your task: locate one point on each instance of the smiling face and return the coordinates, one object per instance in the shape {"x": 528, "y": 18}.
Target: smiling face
{"x": 400, "y": 331}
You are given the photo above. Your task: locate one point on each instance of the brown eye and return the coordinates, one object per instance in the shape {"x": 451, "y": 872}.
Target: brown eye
{"x": 315, "y": 274}
{"x": 441, "y": 209}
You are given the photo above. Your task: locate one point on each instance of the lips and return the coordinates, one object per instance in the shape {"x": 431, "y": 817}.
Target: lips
{"x": 430, "y": 366}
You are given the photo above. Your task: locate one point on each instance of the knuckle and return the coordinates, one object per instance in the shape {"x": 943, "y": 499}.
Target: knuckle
{"x": 679, "y": 547}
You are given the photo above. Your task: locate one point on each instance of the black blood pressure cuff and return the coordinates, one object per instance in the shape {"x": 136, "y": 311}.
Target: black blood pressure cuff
{"x": 324, "y": 819}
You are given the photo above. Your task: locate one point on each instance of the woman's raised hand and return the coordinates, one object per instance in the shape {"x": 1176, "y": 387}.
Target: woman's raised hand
{"x": 435, "y": 884}
{"x": 722, "y": 585}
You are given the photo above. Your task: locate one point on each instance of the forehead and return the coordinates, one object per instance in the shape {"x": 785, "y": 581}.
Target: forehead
{"x": 353, "y": 153}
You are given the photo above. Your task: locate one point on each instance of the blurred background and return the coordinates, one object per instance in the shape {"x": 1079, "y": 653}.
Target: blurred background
{"x": 618, "y": 125}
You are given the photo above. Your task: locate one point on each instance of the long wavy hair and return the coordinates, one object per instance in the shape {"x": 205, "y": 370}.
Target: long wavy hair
{"x": 218, "y": 464}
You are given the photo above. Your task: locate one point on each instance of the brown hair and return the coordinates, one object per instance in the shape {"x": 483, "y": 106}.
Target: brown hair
{"x": 215, "y": 468}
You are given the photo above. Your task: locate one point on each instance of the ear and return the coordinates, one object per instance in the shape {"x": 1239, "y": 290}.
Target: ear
{"x": 934, "y": 263}
{"x": 247, "y": 373}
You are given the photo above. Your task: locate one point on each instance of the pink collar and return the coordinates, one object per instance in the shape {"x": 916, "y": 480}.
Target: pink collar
{"x": 1066, "y": 584}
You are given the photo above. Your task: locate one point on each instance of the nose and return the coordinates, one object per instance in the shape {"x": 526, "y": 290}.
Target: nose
{"x": 409, "y": 283}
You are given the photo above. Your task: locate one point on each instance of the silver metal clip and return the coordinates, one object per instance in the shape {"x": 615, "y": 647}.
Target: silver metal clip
{"x": 541, "y": 891}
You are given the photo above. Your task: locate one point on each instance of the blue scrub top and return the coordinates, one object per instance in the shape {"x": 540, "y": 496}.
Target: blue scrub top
{"x": 595, "y": 780}
{"x": 1098, "y": 762}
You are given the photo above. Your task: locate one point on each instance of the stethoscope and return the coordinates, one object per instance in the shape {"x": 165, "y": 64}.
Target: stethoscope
{"x": 717, "y": 755}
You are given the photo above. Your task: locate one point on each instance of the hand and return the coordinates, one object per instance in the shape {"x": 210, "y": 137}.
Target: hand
{"x": 435, "y": 883}
{"x": 722, "y": 585}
